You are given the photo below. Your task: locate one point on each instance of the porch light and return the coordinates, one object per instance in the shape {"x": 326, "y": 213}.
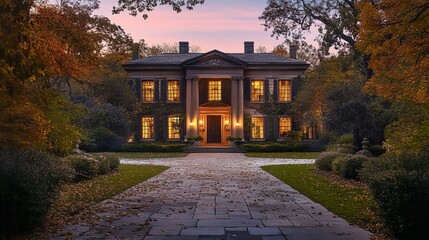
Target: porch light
{"x": 237, "y": 124}
{"x": 191, "y": 124}
{"x": 226, "y": 124}
{"x": 201, "y": 125}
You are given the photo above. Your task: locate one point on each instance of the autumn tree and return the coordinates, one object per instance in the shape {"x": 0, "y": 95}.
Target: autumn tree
{"x": 395, "y": 34}
{"x": 134, "y": 7}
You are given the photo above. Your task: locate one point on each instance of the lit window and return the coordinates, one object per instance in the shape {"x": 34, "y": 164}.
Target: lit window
{"x": 148, "y": 90}
{"x": 285, "y": 126}
{"x": 257, "y": 91}
{"x": 285, "y": 94}
{"x": 147, "y": 128}
{"x": 257, "y": 127}
{"x": 173, "y": 91}
{"x": 174, "y": 128}
{"x": 215, "y": 90}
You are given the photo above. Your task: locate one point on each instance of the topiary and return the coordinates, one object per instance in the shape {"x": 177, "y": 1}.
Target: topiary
{"x": 30, "y": 182}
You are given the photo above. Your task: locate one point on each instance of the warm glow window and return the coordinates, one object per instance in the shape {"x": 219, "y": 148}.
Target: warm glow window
{"x": 215, "y": 90}
{"x": 285, "y": 93}
{"x": 173, "y": 128}
{"x": 173, "y": 91}
{"x": 148, "y": 91}
{"x": 257, "y": 127}
{"x": 285, "y": 126}
{"x": 148, "y": 128}
{"x": 257, "y": 89}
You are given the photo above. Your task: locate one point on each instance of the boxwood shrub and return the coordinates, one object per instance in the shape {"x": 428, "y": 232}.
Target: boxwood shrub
{"x": 30, "y": 182}
{"x": 153, "y": 147}
{"x": 400, "y": 186}
{"x": 349, "y": 166}
{"x": 88, "y": 166}
{"x": 325, "y": 159}
{"x": 290, "y": 146}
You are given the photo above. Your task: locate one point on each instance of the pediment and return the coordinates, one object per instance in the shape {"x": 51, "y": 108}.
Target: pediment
{"x": 214, "y": 58}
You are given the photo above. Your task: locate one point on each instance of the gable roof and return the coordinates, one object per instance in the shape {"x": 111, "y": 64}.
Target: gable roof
{"x": 214, "y": 54}
{"x": 168, "y": 59}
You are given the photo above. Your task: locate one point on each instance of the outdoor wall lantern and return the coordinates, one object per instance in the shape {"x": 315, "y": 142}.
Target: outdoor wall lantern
{"x": 237, "y": 124}
{"x": 226, "y": 124}
{"x": 202, "y": 125}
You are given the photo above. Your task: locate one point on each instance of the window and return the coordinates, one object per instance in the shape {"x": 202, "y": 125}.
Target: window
{"x": 257, "y": 90}
{"x": 257, "y": 127}
{"x": 285, "y": 93}
{"x": 174, "y": 128}
{"x": 148, "y": 90}
{"x": 148, "y": 128}
{"x": 215, "y": 90}
{"x": 173, "y": 91}
{"x": 285, "y": 126}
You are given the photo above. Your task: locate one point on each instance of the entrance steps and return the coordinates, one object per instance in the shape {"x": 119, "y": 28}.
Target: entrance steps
{"x": 214, "y": 150}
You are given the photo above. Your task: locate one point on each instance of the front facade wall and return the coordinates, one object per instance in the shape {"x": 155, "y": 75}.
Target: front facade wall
{"x": 254, "y": 105}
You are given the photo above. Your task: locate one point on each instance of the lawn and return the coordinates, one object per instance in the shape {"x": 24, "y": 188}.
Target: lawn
{"x": 151, "y": 154}
{"x": 76, "y": 197}
{"x": 352, "y": 202}
{"x": 292, "y": 155}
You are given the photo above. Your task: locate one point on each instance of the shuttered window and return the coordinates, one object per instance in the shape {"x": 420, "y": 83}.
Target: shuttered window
{"x": 148, "y": 91}
{"x": 173, "y": 91}
{"x": 284, "y": 91}
{"x": 257, "y": 127}
{"x": 148, "y": 131}
{"x": 285, "y": 126}
{"x": 257, "y": 91}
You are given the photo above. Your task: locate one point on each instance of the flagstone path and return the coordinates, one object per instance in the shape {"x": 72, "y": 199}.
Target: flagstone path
{"x": 213, "y": 196}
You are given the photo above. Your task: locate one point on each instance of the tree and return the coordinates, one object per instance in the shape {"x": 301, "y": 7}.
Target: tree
{"x": 137, "y": 6}
{"x": 336, "y": 21}
{"x": 395, "y": 34}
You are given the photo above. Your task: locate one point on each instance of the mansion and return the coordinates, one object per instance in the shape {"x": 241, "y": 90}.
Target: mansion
{"x": 216, "y": 95}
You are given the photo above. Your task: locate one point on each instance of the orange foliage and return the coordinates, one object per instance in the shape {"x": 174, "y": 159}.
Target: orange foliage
{"x": 395, "y": 34}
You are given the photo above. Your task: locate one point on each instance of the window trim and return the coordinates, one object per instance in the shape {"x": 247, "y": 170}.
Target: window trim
{"x": 263, "y": 90}
{"x": 278, "y": 122}
{"x": 178, "y": 90}
{"x": 141, "y": 127}
{"x": 153, "y": 91}
{"x": 278, "y": 90}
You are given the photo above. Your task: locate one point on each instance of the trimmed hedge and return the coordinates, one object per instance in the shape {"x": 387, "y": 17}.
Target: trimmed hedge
{"x": 30, "y": 182}
{"x": 400, "y": 186}
{"x": 153, "y": 147}
{"x": 275, "y": 147}
{"x": 89, "y": 166}
{"x": 349, "y": 166}
{"x": 325, "y": 159}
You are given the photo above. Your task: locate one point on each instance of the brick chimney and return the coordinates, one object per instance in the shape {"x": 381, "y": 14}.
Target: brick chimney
{"x": 292, "y": 51}
{"x": 248, "y": 47}
{"x": 183, "y": 47}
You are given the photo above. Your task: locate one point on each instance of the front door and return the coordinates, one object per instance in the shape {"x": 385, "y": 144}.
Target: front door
{"x": 214, "y": 129}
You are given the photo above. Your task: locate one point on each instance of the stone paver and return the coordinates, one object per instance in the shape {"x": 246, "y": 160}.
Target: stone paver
{"x": 212, "y": 196}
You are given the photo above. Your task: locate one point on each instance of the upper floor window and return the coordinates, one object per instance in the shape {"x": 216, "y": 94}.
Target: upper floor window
{"x": 285, "y": 126}
{"x": 174, "y": 128}
{"x": 285, "y": 93}
{"x": 257, "y": 91}
{"x": 215, "y": 90}
{"x": 148, "y": 91}
{"x": 148, "y": 131}
{"x": 257, "y": 127}
{"x": 173, "y": 91}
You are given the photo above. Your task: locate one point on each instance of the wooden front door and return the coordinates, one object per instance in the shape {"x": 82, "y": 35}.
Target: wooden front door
{"x": 214, "y": 129}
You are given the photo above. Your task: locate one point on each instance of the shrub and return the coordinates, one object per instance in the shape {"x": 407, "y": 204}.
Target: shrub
{"x": 85, "y": 166}
{"x": 324, "y": 160}
{"x": 349, "y": 166}
{"x": 344, "y": 139}
{"x": 153, "y": 147}
{"x": 400, "y": 186}
{"x": 30, "y": 181}
{"x": 376, "y": 150}
{"x": 289, "y": 146}
{"x": 108, "y": 163}
{"x": 102, "y": 139}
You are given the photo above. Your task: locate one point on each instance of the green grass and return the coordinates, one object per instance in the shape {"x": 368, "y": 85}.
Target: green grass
{"x": 352, "y": 202}
{"x": 77, "y": 197}
{"x": 293, "y": 155}
{"x": 151, "y": 154}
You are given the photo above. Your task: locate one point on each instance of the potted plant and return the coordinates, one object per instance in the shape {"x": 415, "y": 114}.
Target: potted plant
{"x": 232, "y": 140}
{"x": 196, "y": 140}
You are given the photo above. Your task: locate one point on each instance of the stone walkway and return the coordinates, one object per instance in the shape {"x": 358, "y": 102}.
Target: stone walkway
{"x": 213, "y": 196}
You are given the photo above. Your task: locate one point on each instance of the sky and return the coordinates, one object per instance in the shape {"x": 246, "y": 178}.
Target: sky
{"x": 217, "y": 24}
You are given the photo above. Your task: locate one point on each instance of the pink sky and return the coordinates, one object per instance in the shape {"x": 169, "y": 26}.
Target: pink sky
{"x": 217, "y": 24}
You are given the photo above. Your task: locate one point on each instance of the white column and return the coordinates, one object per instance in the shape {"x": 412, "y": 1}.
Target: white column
{"x": 195, "y": 107}
{"x": 234, "y": 110}
{"x": 188, "y": 106}
{"x": 240, "y": 112}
